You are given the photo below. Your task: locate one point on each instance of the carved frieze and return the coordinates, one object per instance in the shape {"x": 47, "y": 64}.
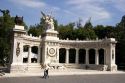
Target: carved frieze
{"x": 85, "y": 45}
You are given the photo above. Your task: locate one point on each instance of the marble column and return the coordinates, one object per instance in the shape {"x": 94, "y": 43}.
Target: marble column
{"x": 97, "y": 57}
{"x": 57, "y": 56}
{"x": 39, "y": 53}
{"x": 104, "y": 56}
{"x": 77, "y": 56}
{"x": 29, "y": 54}
{"x": 67, "y": 56}
{"x": 87, "y": 57}
{"x": 21, "y": 52}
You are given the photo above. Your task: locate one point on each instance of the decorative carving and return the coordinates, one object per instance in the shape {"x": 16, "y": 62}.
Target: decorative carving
{"x": 18, "y": 20}
{"x": 51, "y": 52}
{"x": 18, "y": 49}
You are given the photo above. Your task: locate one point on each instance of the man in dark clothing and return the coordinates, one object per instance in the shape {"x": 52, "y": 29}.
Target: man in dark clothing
{"x": 46, "y": 74}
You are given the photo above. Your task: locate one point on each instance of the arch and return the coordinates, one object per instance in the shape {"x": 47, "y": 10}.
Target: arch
{"x": 34, "y": 49}
{"x": 92, "y": 56}
{"x": 34, "y": 56}
{"x": 101, "y": 56}
{"x": 25, "y": 53}
{"x": 62, "y": 55}
{"x": 25, "y": 48}
{"x": 72, "y": 55}
{"x": 82, "y": 54}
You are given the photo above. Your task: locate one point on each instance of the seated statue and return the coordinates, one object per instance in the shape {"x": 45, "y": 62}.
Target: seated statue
{"x": 18, "y": 20}
{"x": 48, "y": 21}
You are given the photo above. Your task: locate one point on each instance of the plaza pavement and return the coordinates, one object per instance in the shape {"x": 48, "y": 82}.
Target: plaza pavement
{"x": 62, "y": 73}
{"x": 100, "y": 78}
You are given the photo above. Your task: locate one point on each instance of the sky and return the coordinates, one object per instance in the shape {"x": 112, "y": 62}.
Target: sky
{"x": 101, "y": 12}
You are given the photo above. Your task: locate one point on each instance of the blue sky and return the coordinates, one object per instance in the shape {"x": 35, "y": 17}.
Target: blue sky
{"x": 105, "y": 12}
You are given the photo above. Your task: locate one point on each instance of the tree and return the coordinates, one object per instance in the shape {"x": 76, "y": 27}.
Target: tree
{"x": 35, "y": 30}
{"x": 66, "y": 31}
{"x": 120, "y": 29}
{"x": 110, "y": 31}
{"x": 88, "y": 24}
{"x": 100, "y": 31}
{"x": 89, "y": 31}
{"x": 79, "y": 24}
{"x": 120, "y": 36}
{"x": 6, "y": 24}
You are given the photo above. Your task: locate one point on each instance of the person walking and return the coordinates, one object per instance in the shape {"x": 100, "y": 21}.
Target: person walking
{"x": 45, "y": 74}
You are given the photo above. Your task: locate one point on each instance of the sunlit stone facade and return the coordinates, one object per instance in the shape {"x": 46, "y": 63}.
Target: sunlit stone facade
{"x": 30, "y": 54}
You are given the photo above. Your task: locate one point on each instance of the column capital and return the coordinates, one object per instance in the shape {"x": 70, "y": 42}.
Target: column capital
{"x": 77, "y": 49}
{"x": 29, "y": 46}
{"x": 67, "y": 48}
{"x": 86, "y": 49}
{"x": 96, "y": 49}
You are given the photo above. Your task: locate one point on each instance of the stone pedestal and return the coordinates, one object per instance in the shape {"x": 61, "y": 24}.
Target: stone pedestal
{"x": 50, "y": 45}
{"x": 16, "y": 49}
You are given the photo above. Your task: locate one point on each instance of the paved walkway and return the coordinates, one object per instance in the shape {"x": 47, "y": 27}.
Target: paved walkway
{"x": 63, "y": 72}
{"x": 101, "y": 78}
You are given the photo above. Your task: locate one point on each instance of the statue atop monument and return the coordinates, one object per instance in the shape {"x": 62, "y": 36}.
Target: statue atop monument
{"x": 18, "y": 20}
{"x": 49, "y": 23}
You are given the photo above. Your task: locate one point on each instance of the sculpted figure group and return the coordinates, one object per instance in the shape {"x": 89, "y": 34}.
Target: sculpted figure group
{"x": 48, "y": 21}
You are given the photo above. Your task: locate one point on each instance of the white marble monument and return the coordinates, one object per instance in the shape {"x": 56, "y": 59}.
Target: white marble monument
{"x": 23, "y": 59}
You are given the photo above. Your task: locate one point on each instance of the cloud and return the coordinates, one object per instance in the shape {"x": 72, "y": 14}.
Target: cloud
{"x": 71, "y": 10}
{"x": 119, "y": 4}
{"x": 90, "y": 8}
{"x": 29, "y": 3}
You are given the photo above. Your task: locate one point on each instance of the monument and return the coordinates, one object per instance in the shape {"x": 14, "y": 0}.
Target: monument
{"x": 89, "y": 54}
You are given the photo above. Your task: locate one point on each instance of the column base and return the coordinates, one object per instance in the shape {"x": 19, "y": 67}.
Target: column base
{"x": 113, "y": 67}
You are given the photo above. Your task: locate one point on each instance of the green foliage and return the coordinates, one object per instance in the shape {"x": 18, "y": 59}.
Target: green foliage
{"x": 35, "y": 30}
{"x": 100, "y": 31}
{"x": 120, "y": 36}
{"x": 110, "y": 31}
{"x": 120, "y": 29}
{"x": 6, "y": 24}
{"x": 89, "y": 33}
{"x": 88, "y": 25}
{"x": 68, "y": 31}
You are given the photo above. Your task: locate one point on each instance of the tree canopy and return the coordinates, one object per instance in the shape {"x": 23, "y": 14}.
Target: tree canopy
{"x": 6, "y": 25}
